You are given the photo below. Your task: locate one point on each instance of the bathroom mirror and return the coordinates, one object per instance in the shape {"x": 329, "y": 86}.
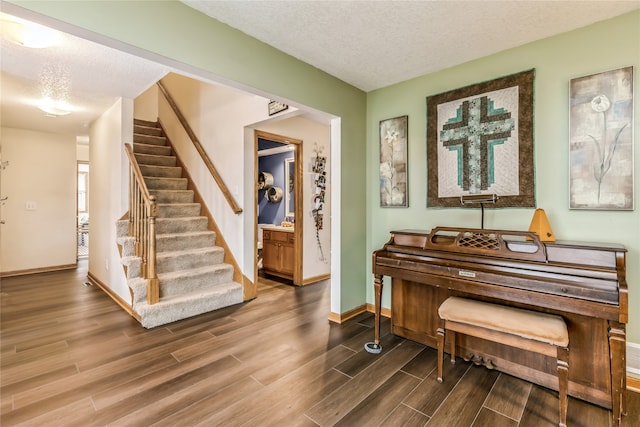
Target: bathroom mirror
{"x": 289, "y": 175}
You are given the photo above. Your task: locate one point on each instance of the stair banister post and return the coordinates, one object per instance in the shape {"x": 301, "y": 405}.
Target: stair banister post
{"x": 153, "y": 286}
{"x": 144, "y": 245}
{"x": 131, "y": 190}
{"x": 136, "y": 224}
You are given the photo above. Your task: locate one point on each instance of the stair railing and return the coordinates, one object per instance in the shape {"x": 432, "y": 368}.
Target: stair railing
{"x": 203, "y": 154}
{"x": 143, "y": 211}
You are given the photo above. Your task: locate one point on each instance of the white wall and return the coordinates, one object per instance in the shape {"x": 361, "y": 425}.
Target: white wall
{"x": 82, "y": 152}
{"x": 218, "y": 117}
{"x": 145, "y": 106}
{"x": 108, "y": 190}
{"x": 42, "y": 172}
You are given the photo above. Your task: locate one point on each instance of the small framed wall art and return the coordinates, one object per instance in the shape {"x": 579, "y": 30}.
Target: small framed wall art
{"x": 601, "y": 141}
{"x": 393, "y": 162}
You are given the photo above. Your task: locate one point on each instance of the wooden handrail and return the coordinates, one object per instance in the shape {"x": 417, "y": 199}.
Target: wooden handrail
{"x": 143, "y": 211}
{"x": 135, "y": 168}
{"x": 203, "y": 154}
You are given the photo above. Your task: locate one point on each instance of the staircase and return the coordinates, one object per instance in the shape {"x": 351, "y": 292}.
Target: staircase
{"x": 193, "y": 276}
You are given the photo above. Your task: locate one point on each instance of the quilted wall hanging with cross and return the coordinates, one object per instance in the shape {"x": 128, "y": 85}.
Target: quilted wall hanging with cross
{"x": 480, "y": 141}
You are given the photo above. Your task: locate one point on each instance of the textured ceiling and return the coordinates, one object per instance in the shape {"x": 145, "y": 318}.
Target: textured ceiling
{"x": 373, "y": 44}
{"x": 370, "y": 44}
{"x": 94, "y": 75}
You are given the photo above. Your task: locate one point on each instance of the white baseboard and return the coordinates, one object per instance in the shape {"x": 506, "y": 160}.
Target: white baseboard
{"x": 633, "y": 359}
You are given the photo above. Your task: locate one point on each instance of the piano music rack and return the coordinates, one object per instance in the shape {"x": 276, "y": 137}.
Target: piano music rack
{"x": 522, "y": 245}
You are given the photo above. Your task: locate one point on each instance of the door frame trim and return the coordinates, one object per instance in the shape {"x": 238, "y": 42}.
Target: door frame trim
{"x": 297, "y": 211}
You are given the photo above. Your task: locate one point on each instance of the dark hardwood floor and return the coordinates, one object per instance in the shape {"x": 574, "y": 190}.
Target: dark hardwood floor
{"x": 71, "y": 357}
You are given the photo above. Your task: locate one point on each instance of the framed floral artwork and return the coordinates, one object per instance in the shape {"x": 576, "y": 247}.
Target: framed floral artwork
{"x": 393, "y": 162}
{"x": 601, "y": 141}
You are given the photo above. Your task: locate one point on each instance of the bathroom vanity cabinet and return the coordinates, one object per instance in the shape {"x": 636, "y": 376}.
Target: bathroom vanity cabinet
{"x": 278, "y": 254}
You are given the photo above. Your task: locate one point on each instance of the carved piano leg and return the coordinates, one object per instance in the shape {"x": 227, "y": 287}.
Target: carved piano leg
{"x": 617, "y": 353}
{"x": 440, "y": 334}
{"x": 563, "y": 383}
{"x": 375, "y": 347}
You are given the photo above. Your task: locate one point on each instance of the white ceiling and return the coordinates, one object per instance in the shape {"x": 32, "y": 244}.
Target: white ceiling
{"x": 369, "y": 44}
{"x": 376, "y": 43}
{"x": 95, "y": 75}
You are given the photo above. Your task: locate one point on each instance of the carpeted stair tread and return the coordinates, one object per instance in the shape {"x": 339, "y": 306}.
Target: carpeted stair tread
{"x": 157, "y": 150}
{"x": 147, "y": 130}
{"x": 122, "y": 228}
{"x": 146, "y": 123}
{"x": 191, "y": 252}
{"x": 173, "y": 196}
{"x": 203, "y": 273}
{"x": 183, "y": 281}
{"x": 161, "y": 171}
{"x": 132, "y": 264}
{"x": 171, "y": 309}
{"x": 189, "y": 259}
{"x": 178, "y": 210}
{"x": 152, "y": 159}
{"x": 159, "y": 183}
{"x": 181, "y": 225}
{"x": 186, "y": 234}
{"x": 149, "y": 139}
{"x": 179, "y": 241}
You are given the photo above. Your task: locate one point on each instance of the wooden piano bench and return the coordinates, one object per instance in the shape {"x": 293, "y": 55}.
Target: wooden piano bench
{"x": 528, "y": 330}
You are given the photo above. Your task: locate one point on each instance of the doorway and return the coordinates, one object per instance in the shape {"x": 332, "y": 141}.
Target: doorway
{"x": 278, "y": 204}
{"x": 82, "y": 217}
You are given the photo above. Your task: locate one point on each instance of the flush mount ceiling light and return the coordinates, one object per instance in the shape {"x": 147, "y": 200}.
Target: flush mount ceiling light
{"x": 54, "y": 108}
{"x": 29, "y": 34}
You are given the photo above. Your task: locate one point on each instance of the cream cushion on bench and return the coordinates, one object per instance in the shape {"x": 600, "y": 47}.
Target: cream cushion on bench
{"x": 528, "y": 330}
{"x": 536, "y": 326}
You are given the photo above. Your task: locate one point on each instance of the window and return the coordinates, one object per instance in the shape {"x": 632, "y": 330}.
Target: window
{"x": 83, "y": 188}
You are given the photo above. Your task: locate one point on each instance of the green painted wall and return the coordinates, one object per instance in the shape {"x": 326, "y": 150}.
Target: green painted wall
{"x": 600, "y": 47}
{"x": 173, "y": 30}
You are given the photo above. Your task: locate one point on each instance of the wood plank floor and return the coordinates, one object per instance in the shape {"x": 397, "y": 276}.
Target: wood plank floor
{"x": 71, "y": 357}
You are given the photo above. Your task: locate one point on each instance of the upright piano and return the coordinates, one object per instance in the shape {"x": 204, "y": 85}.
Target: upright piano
{"x": 584, "y": 283}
